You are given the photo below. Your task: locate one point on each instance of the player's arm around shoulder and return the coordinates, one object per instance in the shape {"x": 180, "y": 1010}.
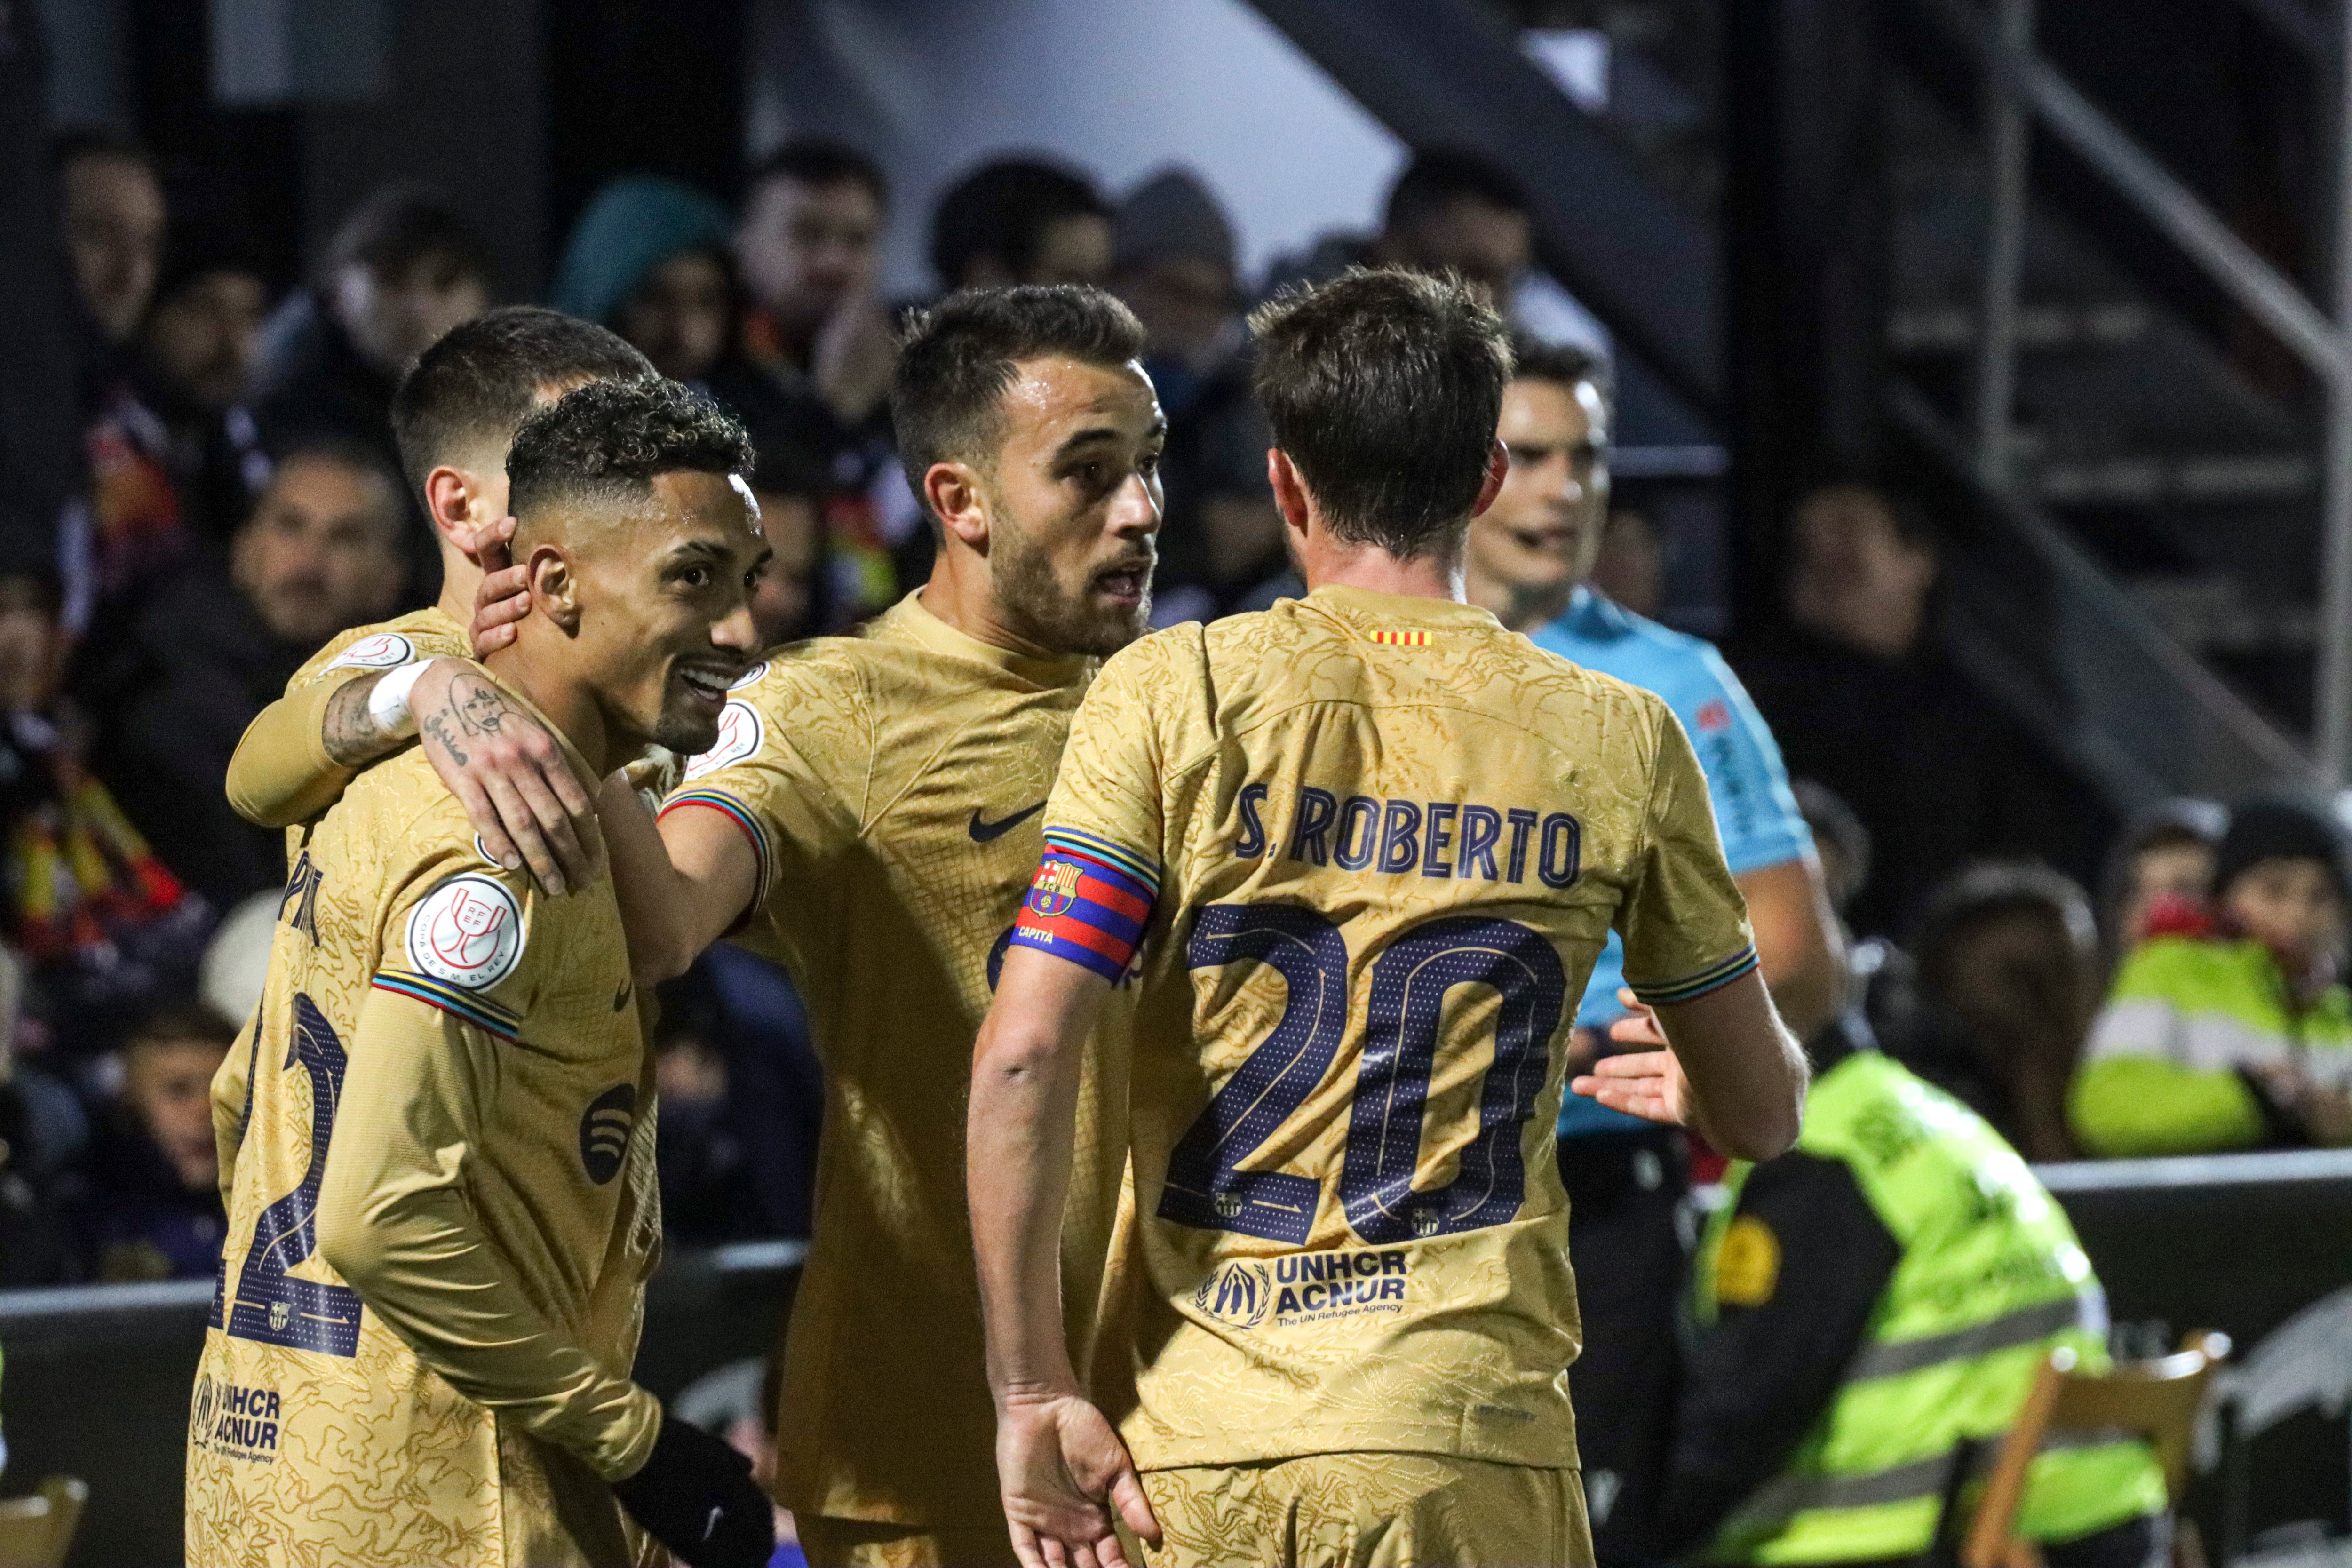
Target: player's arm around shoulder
{"x": 301, "y": 751}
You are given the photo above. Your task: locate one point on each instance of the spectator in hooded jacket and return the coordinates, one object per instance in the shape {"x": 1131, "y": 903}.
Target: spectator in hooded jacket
{"x": 2234, "y": 1031}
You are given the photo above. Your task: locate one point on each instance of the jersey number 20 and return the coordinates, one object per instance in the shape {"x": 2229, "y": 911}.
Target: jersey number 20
{"x": 1410, "y": 981}
{"x": 270, "y": 1305}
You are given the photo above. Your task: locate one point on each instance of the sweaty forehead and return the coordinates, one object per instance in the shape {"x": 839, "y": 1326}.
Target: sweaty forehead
{"x": 1051, "y": 398}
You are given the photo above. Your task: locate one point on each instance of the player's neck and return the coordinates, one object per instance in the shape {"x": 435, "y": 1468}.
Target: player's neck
{"x": 538, "y": 670}
{"x": 460, "y": 580}
{"x": 961, "y": 594}
{"x": 1519, "y": 607}
{"x": 1328, "y": 562}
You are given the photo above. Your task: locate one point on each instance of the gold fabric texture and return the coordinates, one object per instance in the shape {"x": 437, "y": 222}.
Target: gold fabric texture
{"x": 893, "y": 784}
{"x": 469, "y": 1053}
{"x": 1385, "y": 867}
{"x": 1370, "y": 1510}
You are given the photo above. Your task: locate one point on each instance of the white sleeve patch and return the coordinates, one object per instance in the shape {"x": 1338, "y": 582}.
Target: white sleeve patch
{"x": 739, "y": 735}
{"x": 383, "y": 650}
{"x": 467, "y": 932}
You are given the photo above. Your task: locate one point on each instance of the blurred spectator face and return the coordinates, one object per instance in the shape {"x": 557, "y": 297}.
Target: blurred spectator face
{"x": 780, "y": 603}
{"x": 2178, "y": 868}
{"x": 2290, "y": 906}
{"x": 114, "y": 237}
{"x": 167, "y": 1086}
{"x": 1632, "y": 565}
{"x": 678, "y": 316}
{"x": 392, "y": 318}
{"x": 803, "y": 248}
{"x": 1541, "y": 535}
{"x": 1489, "y": 246}
{"x": 200, "y": 338}
{"x": 1073, "y": 249}
{"x": 1184, "y": 302}
{"x": 1857, "y": 579}
{"x": 321, "y": 551}
{"x": 32, "y": 646}
{"x": 689, "y": 1071}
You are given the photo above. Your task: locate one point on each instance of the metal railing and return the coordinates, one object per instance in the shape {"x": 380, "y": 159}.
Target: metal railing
{"x": 2023, "y": 90}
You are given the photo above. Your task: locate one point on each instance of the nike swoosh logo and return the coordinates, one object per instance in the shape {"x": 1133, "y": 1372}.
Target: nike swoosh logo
{"x": 711, "y": 1525}
{"x": 990, "y": 832}
{"x": 621, "y": 997}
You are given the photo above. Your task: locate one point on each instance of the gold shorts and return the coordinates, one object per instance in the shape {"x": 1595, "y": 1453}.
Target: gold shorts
{"x": 1369, "y": 1511}
{"x": 880, "y": 1544}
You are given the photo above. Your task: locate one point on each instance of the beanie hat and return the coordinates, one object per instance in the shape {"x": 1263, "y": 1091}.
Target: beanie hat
{"x": 635, "y": 223}
{"x": 1172, "y": 215}
{"x": 2281, "y": 829}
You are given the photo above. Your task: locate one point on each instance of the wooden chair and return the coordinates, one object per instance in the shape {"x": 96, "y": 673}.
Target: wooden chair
{"x": 2157, "y": 1400}
{"x": 36, "y": 1530}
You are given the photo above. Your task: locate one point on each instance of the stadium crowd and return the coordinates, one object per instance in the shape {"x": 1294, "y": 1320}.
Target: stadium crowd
{"x": 242, "y": 502}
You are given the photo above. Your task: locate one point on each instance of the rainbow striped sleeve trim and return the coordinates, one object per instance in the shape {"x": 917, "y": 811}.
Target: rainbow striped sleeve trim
{"x": 1714, "y": 977}
{"x": 744, "y": 817}
{"x": 1088, "y": 903}
{"x": 483, "y": 1014}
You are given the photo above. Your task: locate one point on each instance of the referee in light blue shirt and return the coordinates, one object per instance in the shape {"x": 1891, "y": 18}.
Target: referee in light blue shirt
{"x": 1527, "y": 559}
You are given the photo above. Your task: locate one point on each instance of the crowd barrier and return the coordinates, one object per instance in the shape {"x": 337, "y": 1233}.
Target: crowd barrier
{"x": 2258, "y": 1246}
{"x": 99, "y": 1377}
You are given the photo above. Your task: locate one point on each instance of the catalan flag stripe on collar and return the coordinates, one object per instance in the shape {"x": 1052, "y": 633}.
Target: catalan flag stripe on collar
{"x": 1416, "y": 638}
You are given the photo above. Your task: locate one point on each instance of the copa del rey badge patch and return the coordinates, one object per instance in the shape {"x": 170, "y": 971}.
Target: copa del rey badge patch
{"x": 739, "y": 735}
{"x": 468, "y": 931}
{"x": 383, "y": 650}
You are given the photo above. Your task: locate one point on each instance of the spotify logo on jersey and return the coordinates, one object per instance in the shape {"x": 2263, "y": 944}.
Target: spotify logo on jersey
{"x": 604, "y": 1131}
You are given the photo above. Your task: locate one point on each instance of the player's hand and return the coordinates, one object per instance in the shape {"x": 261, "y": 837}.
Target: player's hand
{"x": 1644, "y": 1083}
{"x": 504, "y": 597}
{"x": 1061, "y": 1467}
{"x": 695, "y": 1495}
{"x": 511, "y": 775}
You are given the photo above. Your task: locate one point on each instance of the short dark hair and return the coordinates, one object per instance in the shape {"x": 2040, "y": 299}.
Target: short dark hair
{"x": 1002, "y": 209}
{"x": 607, "y": 440}
{"x": 324, "y": 445}
{"x": 195, "y": 1021}
{"x": 400, "y": 225}
{"x": 482, "y": 379}
{"x": 1442, "y": 176}
{"x": 820, "y": 161}
{"x": 1562, "y": 365}
{"x": 959, "y": 355}
{"x": 1985, "y": 890}
{"x": 74, "y": 143}
{"x": 1384, "y": 388}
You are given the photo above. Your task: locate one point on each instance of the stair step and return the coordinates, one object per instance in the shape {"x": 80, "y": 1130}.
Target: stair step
{"x": 2214, "y": 615}
{"x": 1952, "y": 328}
{"x": 2194, "y": 480}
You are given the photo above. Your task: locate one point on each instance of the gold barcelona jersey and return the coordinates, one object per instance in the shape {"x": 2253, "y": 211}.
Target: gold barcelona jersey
{"x": 447, "y": 1092}
{"x": 892, "y": 785}
{"x": 1370, "y": 847}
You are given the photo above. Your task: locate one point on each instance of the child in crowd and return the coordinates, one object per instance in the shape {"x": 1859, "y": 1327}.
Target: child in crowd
{"x": 155, "y": 1208}
{"x": 2233, "y": 1031}
{"x": 2159, "y": 874}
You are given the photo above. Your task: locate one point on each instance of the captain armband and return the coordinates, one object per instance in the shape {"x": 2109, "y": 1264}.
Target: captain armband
{"x": 1088, "y": 903}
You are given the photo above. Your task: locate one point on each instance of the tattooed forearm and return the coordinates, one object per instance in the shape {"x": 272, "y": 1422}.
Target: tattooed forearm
{"x": 353, "y": 737}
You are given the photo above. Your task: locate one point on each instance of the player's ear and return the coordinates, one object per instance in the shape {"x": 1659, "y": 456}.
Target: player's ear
{"x": 1499, "y": 469}
{"x": 449, "y": 493}
{"x": 554, "y": 587}
{"x": 954, "y": 494}
{"x": 1289, "y": 490}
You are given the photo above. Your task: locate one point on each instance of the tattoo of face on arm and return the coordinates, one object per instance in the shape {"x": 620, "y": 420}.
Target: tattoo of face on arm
{"x": 473, "y": 709}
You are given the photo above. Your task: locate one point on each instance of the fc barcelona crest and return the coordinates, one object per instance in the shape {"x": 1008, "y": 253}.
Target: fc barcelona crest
{"x": 1055, "y": 889}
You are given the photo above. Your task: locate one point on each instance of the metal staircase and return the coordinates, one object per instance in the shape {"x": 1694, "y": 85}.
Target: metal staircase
{"x": 2135, "y": 531}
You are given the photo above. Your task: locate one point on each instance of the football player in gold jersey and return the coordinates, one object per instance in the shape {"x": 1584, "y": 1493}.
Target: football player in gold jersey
{"x": 444, "y": 1208}
{"x": 868, "y": 818}
{"x": 454, "y": 417}
{"x": 1364, "y": 848}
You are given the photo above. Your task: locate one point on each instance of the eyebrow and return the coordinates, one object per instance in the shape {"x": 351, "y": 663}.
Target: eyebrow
{"x": 1104, "y": 433}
